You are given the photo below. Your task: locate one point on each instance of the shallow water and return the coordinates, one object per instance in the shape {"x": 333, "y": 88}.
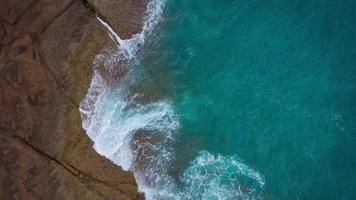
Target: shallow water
{"x": 238, "y": 100}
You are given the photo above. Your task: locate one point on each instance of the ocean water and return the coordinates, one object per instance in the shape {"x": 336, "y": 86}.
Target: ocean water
{"x": 232, "y": 99}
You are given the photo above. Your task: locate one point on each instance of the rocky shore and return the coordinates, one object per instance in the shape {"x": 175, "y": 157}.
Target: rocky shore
{"x": 47, "y": 48}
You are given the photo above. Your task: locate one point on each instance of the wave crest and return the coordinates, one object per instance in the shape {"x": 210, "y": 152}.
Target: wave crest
{"x": 139, "y": 136}
{"x": 220, "y": 177}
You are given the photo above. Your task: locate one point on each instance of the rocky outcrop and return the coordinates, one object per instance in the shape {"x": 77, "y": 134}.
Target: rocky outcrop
{"x": 126, "y": 20}
{"x": 46, "y": 52}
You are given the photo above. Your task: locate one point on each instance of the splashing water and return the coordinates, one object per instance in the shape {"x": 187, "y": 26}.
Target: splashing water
{"x": 140, "y": 136}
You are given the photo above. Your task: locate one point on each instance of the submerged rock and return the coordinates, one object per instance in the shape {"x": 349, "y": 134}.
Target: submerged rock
{"x": 46, "y": 52}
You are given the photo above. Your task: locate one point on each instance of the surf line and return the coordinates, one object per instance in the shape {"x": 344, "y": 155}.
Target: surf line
{"x": 113, "y": 35}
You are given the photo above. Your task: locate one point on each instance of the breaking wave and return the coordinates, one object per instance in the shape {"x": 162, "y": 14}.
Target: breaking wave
{"x": 134, "y": 134}
{"x": 220, "y": 177}
{"x": 212, "y": 177}
{"x": 138, "y": 134}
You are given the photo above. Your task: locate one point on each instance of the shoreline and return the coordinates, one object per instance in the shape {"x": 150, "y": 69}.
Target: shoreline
{"x": 113, "y": 72}
{"x": 46, "y": 65}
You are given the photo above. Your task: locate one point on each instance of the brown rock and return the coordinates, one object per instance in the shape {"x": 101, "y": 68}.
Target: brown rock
{"x": 47, "y": 48}
{"x": 125, "y": 18}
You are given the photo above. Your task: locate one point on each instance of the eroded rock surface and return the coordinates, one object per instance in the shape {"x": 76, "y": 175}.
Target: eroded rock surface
{"x": 126, "y": 19}
{"x": 47, "y": 48}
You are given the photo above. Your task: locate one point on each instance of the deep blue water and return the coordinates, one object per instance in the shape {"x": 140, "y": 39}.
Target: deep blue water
{"x": 269, "y": 84}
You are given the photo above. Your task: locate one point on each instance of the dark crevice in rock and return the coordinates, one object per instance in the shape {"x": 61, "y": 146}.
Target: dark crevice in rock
{"x": 92, "y": 8}
{"x": 84, "y": 177}
{"x": 90, "y": 178}
{"x": 52, "y": 20}
{"x": 97, "y": 13}
{"x": 43, "y": 154}
{"x": 31, "y": 6}
{"x": 19, "y": 17}
{"x": 44, "y": 72}
{"x": 32, "y": 101}
{"x": 58, "y": 83}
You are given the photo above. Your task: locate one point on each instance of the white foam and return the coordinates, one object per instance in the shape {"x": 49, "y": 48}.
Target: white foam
{"x": 153, "y": 17}
{"x": 111, "y": 115}
{"x": 212, "y": 177}
{"x": 113, "y": 35}
{"x": 131, "y": 46}
{"x": 117, "y": 118}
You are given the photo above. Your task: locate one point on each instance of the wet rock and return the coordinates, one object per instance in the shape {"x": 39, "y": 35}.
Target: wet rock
{"x": 126, "y": 18}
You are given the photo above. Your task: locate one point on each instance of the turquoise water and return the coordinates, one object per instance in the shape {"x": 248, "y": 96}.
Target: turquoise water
{"x": 231, "y": 99}
{"x": 265, "y": 94}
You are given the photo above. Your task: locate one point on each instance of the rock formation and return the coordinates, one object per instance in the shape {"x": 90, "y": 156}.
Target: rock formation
{"x": 46, "y": 52}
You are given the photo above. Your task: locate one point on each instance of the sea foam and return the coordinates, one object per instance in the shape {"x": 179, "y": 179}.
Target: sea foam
{"x": 112, "y": 113}
{"x": 219, "y": 177}
{"x": 139, "y": 136}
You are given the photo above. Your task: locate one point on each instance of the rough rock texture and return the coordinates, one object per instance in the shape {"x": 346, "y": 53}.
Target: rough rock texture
{"x": 46, "y": 52}
{"x": 126, "y": 19}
